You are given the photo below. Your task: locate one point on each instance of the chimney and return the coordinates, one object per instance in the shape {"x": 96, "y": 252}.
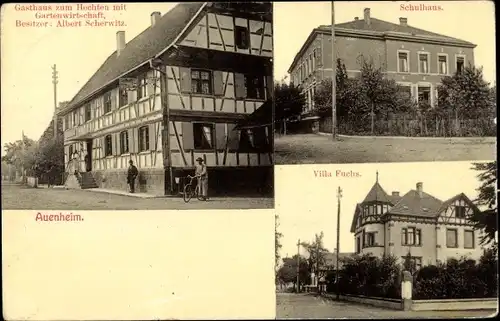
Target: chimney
{"x": 120, "y": 42}
{"x": 367, "y": 16}
{"x": 356, "y": 18}
{"x": 155, "y": 16}
{"x": 395, "y": 193}
{"x": 403, "y": 21}
{"x": 420, "y": 189}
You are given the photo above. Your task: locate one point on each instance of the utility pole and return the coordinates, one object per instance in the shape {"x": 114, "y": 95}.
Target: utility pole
{"x": 298, "y": 266}
{"x": 317, "y": 262}
{"x": 54, "y": 81}
{"x": 334, "y": 77}
{"x": 337, "y": 270}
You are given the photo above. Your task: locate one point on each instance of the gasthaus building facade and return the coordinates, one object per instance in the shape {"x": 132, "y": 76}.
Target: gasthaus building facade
{"x": 174, "y": 93}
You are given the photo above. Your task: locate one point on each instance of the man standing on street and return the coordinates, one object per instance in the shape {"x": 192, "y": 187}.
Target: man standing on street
{"x": 202, "y": 174}
{"x": 131, "y": 176}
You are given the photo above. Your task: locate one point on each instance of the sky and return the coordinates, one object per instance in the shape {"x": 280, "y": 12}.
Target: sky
{"x": 473, "y": 21}
{"x": 307, "y": 205}
{"x": 28, "y": 54}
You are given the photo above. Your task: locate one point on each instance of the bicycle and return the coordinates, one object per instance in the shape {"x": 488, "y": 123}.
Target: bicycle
{"x": 191, "y": 189}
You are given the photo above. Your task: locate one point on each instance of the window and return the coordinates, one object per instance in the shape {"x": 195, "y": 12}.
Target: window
{"x": 469, "y": 239}
{"x": 403, "y": 62}
{"x": 124, "y": 142}
{"x": 242, "y": 37}
{"x": 203, "y": 136}
{"x": 370, "y": 239}
{"x": 451, "y": 238}
{"x": 314, "y": 60}
{"x": 201, "y": 82}
{"x": 255, "y": 86}
{"x": 107, "y": 102}
{"x": 424, "y": 94}
{"x": 70, "y": 151}
{"x": 247, "y": 140}
{"x": 123, "y": 100}
{"x": 442, "y": 65}
{"x": 108, "y": 147}
{"x": 88, "y": 113}
{"x": 423, "y": 63}
{"x": 460, "y": 211}
{"x": 141, "y": 86}
{"x": 143, "y": 139}
{"x": 460, "y": 64}
{"x": 358, "y": 245}
{"x": 411, "y": 236}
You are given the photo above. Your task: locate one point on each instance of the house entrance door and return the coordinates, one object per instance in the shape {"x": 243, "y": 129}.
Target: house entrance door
{"x": 88, "y": 156}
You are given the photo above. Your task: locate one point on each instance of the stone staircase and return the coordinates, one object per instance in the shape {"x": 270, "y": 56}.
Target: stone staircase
{"x": 86, "y": 180}
{"x": 83, "y": 181}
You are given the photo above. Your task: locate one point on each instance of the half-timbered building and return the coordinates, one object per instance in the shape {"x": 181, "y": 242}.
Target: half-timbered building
{"x": 417, "y": 223}
{"x": 175, "y": 93}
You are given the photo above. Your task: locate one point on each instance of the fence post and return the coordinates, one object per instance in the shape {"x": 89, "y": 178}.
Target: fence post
{"x": 406, "y": 291}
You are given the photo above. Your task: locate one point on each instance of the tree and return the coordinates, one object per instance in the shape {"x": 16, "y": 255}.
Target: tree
{"x": 21, "y": 153}
{"x": 288, "y": 271}
{"x": 382, "y": 95}
{"x": 317, "y": 256}
{"x": 466, "y": 94}
{"x": 486, "y": 220}
{"x": 50, "y": 153}
{"x": 289, "y": 102}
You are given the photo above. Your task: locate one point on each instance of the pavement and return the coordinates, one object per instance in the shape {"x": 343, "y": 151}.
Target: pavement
{"x": 320, "y": 149}
{"x": 19, "y": 197}
{"x": 307, "y": 306}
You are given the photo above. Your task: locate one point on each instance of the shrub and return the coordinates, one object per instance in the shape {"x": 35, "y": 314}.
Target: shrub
{"x": 458, "y": 279}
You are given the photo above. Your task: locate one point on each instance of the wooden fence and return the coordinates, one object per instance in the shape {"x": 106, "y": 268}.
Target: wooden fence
{"x": 412, "y": 126}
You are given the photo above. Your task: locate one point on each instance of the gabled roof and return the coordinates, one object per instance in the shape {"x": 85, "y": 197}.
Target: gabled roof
{"x": 450, "y": 201}
{"x": 139, "y": 50}
{"x": 355, "y": 217}
{"x": 412, "y": 204}
{"x": 377, "y": 193}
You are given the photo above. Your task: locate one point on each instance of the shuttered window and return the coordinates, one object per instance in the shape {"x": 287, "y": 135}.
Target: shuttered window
{"x": 241, "y": 37}
{"x": 254, "y": 87}
{"x": 451, "y": 238}
{"x": 124, "y": 142}
{"x": 107, "y": 102}
{"x": 123, "y": 99}
{"x": 233, "y": 137}
{"x": 88, "y": 113}
{"x": 469, "y": 239}
{"x": 143, "y": 138}
{"x": 203, "y": 136}
{"x": 141, "y": 86}
{"x": 201, "y": 82}
{"x": 108, "y": 145}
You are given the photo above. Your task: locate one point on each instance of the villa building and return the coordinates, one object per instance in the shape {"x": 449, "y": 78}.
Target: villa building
{"x": 175, "y": 93}
{"x": 417, "y": 59}
{"x": 429, "y": 229}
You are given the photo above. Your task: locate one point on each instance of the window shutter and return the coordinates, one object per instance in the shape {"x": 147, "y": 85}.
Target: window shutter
{"x": 131, "y": 96}
{"x": 114, "y": 102}
{"x": 131, "y": 140}
{"x": 135, "y": 143}
{"x": 218, "y": 83}
{"x": 185, "y": 75}
{"x": 239, "y": 85}
{"x": 149, "y": 83}
{"x": 269, "y": 86}
{"x": 152, "y": 137}
{"x": 187, "y": 136}
{"x": 220, "y": 136}
{"x": 234, "y": 137}
{"x": 114, "y": 145}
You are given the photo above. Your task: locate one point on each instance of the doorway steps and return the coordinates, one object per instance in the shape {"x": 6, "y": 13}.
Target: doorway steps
{"x": 86, "y": 180}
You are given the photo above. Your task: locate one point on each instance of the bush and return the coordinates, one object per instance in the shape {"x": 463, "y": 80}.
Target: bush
{"x": 458, "y": 279}
{"x": 370, "y": 276}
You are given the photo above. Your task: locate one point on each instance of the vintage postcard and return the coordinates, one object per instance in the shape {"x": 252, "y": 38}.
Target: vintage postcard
{"x": 152, "y": 106}
{"x": 133, "y": 134}
{"x": 414, "y": 81}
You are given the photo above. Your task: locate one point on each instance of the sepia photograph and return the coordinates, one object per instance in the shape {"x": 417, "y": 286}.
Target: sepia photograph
{"x": 391, "y": 240}
{"x": 137, "y": 106}
{"x": 412, "y": 81}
